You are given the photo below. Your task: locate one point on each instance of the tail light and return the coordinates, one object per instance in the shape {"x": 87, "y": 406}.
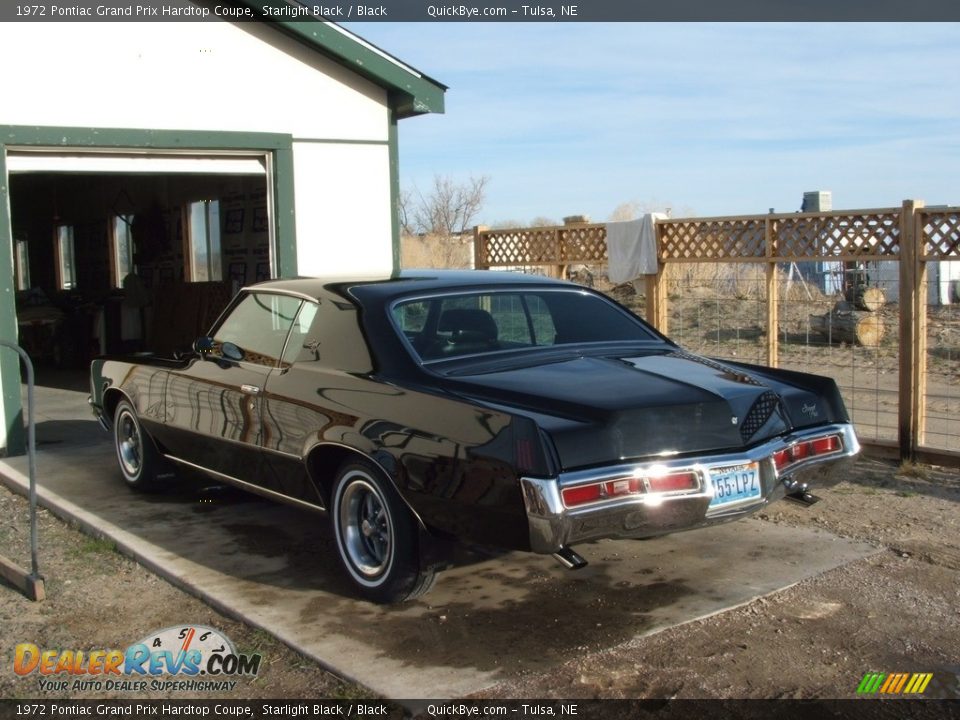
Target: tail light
{"x": 674, "y": 482}
{"x": 654, "y": 480}
{"x": 529, "y": 455}
{"x": 827, "y": 445}
{"x": 581, "y": 495}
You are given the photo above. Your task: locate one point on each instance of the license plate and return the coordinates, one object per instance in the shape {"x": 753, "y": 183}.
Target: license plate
{"x": 735, "y": 484}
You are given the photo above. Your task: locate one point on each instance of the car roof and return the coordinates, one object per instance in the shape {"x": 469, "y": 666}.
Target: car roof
{"x": 402, "y": 283}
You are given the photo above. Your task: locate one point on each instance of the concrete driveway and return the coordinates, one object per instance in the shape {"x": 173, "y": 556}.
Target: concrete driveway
{"x": 275, "y": 567}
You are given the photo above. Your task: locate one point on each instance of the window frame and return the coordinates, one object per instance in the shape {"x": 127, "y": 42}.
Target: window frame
{"x": 61, "y": 269}
{"x": 117, "y": 275}
{"x": 654, "y": 336}
{"x": 190, "y": 266}
{"x": 278, "y": 361}
{"x": 21, "y": 264}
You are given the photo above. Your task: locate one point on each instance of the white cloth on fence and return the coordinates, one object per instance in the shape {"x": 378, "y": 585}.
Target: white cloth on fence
{"x": 632, "y": 248}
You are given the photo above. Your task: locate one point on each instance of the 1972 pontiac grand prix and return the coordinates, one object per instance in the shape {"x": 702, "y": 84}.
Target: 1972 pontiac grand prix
{"x": 486, "y": 407}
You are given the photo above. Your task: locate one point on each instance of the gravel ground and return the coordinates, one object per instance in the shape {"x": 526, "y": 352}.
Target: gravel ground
{"x": 896, "y": 611}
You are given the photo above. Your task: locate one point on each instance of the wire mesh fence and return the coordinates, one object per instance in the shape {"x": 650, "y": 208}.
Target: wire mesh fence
{"x": 870, "y": 298}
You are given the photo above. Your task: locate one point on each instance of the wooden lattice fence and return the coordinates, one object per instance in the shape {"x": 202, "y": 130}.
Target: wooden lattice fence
{"x": 910, "y": 235}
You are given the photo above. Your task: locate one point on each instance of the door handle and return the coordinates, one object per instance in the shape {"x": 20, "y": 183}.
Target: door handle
{"x": 250, "y": 389}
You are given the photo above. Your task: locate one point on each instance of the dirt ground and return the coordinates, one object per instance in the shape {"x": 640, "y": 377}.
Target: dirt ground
{"x": 896, "y": 611}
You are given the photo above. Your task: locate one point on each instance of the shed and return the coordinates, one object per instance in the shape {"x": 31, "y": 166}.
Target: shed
{"x": 149, "y": 169}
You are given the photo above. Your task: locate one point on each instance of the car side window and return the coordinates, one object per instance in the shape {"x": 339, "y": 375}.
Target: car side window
{"x": 298, "y": 345}
{"x": 259, "y": 325}
{"x": 541, "y": 320}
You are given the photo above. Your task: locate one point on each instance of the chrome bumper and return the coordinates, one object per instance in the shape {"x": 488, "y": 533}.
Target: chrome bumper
{"x": 554, "y": 526}
{"x": 99, "y": 415}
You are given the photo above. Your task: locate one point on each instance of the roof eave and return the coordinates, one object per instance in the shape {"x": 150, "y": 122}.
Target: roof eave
{"x": 409, "y": 91}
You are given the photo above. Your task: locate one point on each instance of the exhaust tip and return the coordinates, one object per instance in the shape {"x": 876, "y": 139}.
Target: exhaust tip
{"x": 803, "y": 498}
{"x": 570, "y": 559}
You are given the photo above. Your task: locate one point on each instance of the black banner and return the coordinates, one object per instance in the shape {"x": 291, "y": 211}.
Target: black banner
{"x": 484, "y": 11}
{"x": 485, "y": 709}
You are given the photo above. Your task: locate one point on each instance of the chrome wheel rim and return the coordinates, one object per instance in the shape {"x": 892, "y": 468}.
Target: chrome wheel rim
{"x": 366, "y": 530}
{"x": 129, "y": 445}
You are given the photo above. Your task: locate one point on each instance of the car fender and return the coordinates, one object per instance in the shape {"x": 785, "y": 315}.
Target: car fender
{"x": 323, "y": 458}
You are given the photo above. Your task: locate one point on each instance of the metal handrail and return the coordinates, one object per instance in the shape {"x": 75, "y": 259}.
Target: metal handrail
{"x": 35, "y": 578}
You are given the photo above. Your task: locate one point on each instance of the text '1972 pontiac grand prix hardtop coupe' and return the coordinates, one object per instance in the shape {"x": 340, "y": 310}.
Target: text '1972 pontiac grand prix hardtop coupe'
{"x": 489, "y": 408}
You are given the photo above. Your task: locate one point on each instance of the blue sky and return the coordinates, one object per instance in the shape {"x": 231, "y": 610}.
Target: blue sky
{"x": 710, "y": 119}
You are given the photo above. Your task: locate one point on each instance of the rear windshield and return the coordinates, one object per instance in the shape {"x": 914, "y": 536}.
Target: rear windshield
{"x": 458, "y": 325}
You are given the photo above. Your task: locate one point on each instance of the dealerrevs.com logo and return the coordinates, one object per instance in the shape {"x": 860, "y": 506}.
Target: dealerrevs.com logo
{"x": 186, "y": 658}
{"x": 901, "y": 683}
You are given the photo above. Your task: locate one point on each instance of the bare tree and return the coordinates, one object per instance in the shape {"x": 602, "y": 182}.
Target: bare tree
{"x": 405, "y": 213}
{"x": 541, "y": 221}
{"x": 448, "y": 210}
{"x": 635, "y": 208}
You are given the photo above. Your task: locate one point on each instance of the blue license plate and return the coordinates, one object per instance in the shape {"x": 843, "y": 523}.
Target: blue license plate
{"x": 735, "y": 484}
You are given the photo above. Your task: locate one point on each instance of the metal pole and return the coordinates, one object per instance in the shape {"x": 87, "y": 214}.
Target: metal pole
{"x": 31, "y": 456}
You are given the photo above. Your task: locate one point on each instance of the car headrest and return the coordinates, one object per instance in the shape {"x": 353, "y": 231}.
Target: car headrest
{"x": 470, "y": 321}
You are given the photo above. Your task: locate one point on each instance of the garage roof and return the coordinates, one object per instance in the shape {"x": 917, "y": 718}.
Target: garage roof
{"x": 411, "y": 92}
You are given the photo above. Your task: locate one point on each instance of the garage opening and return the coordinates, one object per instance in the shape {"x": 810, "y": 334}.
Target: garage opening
{"x": 131, "y": 252}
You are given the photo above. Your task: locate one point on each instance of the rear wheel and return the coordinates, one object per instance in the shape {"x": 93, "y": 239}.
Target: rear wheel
{"x": 137, "y": 457}
{"x": 376, "y": 536}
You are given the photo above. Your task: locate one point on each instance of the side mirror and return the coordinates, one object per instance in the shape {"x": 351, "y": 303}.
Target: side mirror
{"x": 203, "y": 345}
{"x": 232, "y": 352}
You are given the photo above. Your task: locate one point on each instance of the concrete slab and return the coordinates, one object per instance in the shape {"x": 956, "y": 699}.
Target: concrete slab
{"x": 275, "y": 567}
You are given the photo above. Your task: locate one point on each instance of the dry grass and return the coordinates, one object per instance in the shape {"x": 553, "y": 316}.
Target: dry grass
{"x": 431, "y": 251}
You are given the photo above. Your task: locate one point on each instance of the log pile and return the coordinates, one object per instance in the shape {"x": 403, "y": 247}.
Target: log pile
{"x": 870, "y": 299}
{"x": 857, "y": 323}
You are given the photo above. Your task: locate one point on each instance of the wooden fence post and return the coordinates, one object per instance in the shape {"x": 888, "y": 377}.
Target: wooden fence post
{"x": 912, "y": 317}
{"x": 919, "y": 408}
{"x": 656, "y": 291}
{"x": 773, "y": 298}
{"x": 479, "y": 248}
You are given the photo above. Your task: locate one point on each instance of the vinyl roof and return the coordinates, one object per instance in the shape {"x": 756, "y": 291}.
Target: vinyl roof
{"x": 405, "y": 282}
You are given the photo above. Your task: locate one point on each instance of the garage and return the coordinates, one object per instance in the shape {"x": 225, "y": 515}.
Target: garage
{"x": 218, "y": 154}
{"x": 123, "y": 252}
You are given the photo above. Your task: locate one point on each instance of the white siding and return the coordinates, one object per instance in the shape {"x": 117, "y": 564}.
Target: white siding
{"x": 343, "y": 209}
{"x": 182, "y": 75}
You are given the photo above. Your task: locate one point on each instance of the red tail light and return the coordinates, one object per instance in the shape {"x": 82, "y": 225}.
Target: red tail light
{"x": 781, "y": 459}
{"x": 524, "y": 453}
{"x": 807, "y": 449}
{"x": 675, "y": 482}
{"x": 624, "y": 487}
{"x": 581, "y": 495}
{"x": 822, "y": 446}
{"x": 800, "y": 451}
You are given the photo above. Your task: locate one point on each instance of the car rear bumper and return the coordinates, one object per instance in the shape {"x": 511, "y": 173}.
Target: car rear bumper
{"x": 554, "y": 525}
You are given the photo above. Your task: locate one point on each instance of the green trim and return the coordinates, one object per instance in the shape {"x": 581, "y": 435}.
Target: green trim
{"x": 9, "y": 361}
{"x": 330, "y": 141}
{"x": 394, "y": 150}
{"x": 12, "y": 136}
{"x": 285, "y": 219}
{"x": 410, "y": 92}
{"x": 160, "y": 139}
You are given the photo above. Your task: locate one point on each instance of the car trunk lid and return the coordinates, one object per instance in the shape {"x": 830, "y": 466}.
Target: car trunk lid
{"x": 605, "y": 409}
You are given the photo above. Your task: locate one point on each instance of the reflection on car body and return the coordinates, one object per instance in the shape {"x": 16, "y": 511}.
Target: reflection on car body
{"x": 491, "y": 408}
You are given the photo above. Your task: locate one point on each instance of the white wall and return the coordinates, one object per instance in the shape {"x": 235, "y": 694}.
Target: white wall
{"x": 340, "y": 193}
{"x": 217, "y": 76}
{"x": 182, "y": 75}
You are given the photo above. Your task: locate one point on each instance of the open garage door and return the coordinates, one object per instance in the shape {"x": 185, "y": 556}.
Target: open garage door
{"x": 133, "y": 250}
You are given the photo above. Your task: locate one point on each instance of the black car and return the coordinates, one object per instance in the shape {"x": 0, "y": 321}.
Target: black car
{"x": 491, "y": 408}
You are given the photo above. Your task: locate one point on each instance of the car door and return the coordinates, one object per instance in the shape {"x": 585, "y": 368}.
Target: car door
{"x": 215, "y": 403}
{"x": 308, "y": 398}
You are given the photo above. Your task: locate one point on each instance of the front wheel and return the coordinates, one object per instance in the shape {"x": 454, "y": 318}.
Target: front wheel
{"x": 376, "y": 536}
{"x": 136, "y": 455}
